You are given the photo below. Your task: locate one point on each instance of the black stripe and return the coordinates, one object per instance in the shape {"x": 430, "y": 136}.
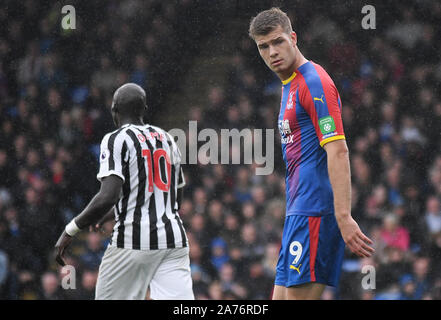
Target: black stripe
{"x": 110, "y": 146}
{"x": 152, "y": 221}
{"x": 125, "y": 199}
{"x": 140, "y": 198}
{"x": 172, "y": 189}
{"x": 153, "y": 234}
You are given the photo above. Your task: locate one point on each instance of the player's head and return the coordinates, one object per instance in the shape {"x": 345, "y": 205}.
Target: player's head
{"x": 276, "y": 41}
{"x": 129, "y": 104}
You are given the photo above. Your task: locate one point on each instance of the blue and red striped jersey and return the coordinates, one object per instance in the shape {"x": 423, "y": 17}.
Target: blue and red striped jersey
{"x": 310, "y": 116}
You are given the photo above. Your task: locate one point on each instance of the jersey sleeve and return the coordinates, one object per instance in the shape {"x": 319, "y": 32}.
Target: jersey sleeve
{"x": 181, "y": 179}
{"x": 321, "y": 100}
{"x": 176, "y": 158}
{"x": 113, "y": 150}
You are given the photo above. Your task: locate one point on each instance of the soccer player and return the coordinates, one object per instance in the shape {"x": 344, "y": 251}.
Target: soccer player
{"x": 141, "y": 177}
{"x": 318, "y": 182}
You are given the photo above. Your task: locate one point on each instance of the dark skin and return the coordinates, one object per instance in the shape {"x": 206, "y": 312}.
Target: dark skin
{"x": 128, "y": 107}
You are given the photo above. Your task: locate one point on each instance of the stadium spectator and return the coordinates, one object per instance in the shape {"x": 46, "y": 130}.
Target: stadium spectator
{"x": 51, "y": 287}
{"x": 393, "y": 234}
{"x": 91, "y": 258}
{"x": 433, "y": 215}
{"x": 88, "y": 282}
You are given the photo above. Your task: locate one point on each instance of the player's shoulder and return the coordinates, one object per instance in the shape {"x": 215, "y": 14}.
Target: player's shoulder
{"x": 117, "y": 133}
{"x": 315, "y": 75}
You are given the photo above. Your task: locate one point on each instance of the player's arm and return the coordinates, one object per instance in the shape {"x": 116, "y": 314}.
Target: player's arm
{"x": 102, "y": 203}
{"x": 340, "y": 178}
{"x": 97, "y": 208}
{"x": 112, "y": 159}
{"x": 322, "y": 102}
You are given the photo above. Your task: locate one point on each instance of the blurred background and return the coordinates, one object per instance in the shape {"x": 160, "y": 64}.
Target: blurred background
{"x": 196, "y": 62}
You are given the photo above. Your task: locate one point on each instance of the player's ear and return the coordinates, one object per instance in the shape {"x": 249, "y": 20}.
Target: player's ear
{"x": 146, "y": 117}
{"x": 294, "y": 38}
{"x": 114, "y": 107}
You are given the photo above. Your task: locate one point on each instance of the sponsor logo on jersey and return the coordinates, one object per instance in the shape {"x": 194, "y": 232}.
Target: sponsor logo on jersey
{"x": 319, "y": 99}
{"x": 288, "y": 139}
{"x": 284, "y": 127}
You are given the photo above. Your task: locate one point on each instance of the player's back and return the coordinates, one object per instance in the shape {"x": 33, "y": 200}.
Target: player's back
{"x": 148, "y": 160}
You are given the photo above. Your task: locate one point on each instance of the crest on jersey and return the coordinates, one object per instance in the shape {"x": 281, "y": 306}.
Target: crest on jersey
{"x": 290, "y": 102}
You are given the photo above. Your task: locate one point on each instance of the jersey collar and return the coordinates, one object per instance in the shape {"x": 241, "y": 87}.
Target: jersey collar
{"x": 289, "y": 79}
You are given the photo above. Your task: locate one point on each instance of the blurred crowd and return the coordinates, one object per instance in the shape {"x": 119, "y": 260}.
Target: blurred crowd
{"x": 56, "y": 87}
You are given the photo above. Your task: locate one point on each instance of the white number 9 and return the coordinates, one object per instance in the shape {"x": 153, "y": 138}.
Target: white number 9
{"x": 297, "y": 253}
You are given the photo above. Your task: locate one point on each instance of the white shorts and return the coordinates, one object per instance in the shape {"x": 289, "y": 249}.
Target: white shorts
{"x": 126, "y": 274}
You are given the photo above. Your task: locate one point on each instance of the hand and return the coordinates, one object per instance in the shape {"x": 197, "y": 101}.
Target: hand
{"x": 62, "y": 243}
{"x": 357, "y": 242}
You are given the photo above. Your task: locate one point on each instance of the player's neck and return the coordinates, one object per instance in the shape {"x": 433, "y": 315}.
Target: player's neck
{"x": 137, "y": 122}
{"x": 301, "y": 60}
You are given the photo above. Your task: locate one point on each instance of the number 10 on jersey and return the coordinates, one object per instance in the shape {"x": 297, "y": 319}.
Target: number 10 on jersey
{"x": 157, "y": 169}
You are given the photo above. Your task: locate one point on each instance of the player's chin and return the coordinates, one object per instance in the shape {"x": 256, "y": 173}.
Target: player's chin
{"x": 279, "y": 68}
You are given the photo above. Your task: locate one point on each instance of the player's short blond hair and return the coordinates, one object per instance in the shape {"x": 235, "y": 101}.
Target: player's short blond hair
{"x": 266, "y": 21}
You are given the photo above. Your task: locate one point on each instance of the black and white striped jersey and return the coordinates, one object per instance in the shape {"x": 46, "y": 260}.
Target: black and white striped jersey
{"x": 149, "y": 161}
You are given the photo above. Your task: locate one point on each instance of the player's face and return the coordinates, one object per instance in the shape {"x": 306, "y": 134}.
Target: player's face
{"x": 277, "y": 49}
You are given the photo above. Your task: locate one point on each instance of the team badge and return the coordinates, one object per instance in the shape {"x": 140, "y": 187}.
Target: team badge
{"x": 290, "y": 102}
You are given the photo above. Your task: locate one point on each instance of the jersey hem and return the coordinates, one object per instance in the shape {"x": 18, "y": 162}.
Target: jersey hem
{"x": 325, "y": 141}
{"x": 109, "y": 173}
{"x": 308, "y": 213}
{"x": 160, "y": 247}
{"x": 300, "y": 282}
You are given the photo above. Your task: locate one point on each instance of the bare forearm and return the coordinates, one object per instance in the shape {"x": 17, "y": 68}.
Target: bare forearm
{"x": 109, "y": 216}
{"x": 340, "y": 177}
{"x": 95, "y": 210}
